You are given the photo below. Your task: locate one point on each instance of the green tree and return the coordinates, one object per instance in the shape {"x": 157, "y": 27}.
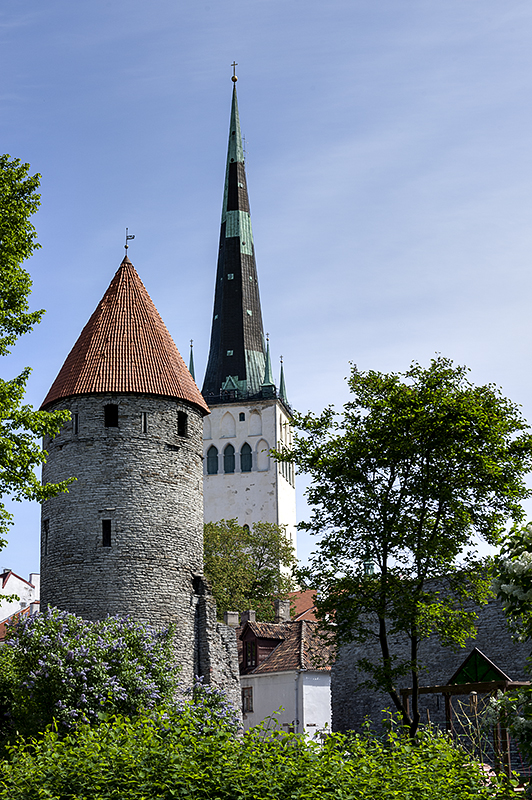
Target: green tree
{"x": 419, "y": 467}
{"x": 20, "y": 425}
{"x": 513, "y": 585}
{"x": 248, "y": 568}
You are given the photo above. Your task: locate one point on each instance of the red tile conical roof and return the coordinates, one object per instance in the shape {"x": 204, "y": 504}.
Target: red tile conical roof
{"x": 125, "y": 347}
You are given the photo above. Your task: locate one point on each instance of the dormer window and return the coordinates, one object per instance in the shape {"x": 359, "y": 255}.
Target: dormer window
{"x": 250, "y": 654}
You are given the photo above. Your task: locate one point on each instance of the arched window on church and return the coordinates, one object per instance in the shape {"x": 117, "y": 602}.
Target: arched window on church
{"x": 245, "y": 458}
{"x": 212, "y": 460}
{"x": 229, "y": 459}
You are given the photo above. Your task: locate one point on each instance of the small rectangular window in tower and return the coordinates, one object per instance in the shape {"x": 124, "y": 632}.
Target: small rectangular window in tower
{"x": 144, "y": 421}
{"x": 230, "y": 276}
{"x": 241, "y": 417}
{"x": 110, "y": 415}
{"x": 106, "y": 533}
{"x": 247, "y": 699}
{"x": 45, "y": 531}
{"x": 182, "y": 423}
{"x": 75, "y": 424}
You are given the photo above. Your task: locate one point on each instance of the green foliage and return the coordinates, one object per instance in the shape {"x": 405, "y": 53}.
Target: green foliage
{"x": 165, "y": 755}
{"x": 247, "y": 567}
{"x": 513, "y": 580}
{"x": 513, "y": 585}
{"x": 20, "y": 426}
{"x": 59, "y": 667}
{"x": 420, "y": 465}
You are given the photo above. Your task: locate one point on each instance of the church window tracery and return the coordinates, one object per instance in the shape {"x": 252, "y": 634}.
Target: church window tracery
{"x": 229, "y": 459}
{"x": 212, "y": 460}
{"x": 245, "y": 458}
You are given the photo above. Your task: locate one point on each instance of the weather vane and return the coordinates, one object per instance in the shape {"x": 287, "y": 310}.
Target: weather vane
{"x": 234, "y": 65}
{"x": 128, "y": 237}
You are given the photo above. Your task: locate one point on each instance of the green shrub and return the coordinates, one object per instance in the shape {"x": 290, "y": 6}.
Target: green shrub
{"x": 57, "y": 666}
{"x": 175, "y": 754}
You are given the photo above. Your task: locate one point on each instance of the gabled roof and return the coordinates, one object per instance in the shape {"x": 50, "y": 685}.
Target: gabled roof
{"x": 303, "y": 605}
{"x": 125, "y": 347}
{"x": 265, "y": 630}
{"x": 478, "y": 668}
{"x": 6, "y": 574}
{"x": 300, "y": 647}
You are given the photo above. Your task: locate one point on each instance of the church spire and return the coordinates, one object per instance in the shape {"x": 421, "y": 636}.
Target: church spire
{"x": 237, "y": 360}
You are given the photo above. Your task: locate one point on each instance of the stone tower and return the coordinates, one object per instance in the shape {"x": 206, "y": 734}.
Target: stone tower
{"x": 248, "y": 414}
{"x": 127, "y": 539}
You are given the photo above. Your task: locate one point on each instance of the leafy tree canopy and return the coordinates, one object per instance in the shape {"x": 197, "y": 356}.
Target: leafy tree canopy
{"x": 20, "y": 425}
{"x": 247, "y": 567}
{"x": 418, "y": 466}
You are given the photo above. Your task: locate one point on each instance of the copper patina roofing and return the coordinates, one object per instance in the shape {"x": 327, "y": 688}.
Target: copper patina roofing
{"x": 125, "y": 347}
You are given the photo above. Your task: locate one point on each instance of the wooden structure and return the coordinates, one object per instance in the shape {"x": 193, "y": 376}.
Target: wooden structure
{"x": 477, "y": 675}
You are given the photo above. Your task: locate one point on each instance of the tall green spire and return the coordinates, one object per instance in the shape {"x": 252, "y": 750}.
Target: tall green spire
{"x": 236, "y": 365}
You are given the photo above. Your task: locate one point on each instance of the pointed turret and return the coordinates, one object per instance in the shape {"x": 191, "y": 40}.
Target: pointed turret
{"x": 282, "y": 386}
{"x": 268, "y": 386}
{"x": 236, "y": 365}
{"x": 125, "y": 347}
{"x": 191, "y": 361}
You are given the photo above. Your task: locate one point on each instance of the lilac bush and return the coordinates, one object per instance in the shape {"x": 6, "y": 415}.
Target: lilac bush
{"x": 57, "y": 666}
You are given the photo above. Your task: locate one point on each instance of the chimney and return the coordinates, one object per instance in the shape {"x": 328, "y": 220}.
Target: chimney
{"x": 282, "y": 611}
{"x": 247, "y": 616}
{"x": 231, "y": 618}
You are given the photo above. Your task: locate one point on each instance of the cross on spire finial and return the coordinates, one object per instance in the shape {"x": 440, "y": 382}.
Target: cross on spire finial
{"x": 234, "y": 78}
{"x": 128, "y": 238}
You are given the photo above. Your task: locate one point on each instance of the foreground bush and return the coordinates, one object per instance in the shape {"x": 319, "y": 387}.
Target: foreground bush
{"x": 192, "y": 754}
{"x": 57, "y": 666}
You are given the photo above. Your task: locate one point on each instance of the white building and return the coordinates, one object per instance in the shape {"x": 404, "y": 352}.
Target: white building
{"x": 241, "y": 480}
{"x": 285, "y": 675}
{"x": 26, "y": 596}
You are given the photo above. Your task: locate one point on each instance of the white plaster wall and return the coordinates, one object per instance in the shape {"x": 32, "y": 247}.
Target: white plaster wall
{"x": 28, "y": 592}
{"x": 316, "y": 701}
{"x": 310, "y": 713}
{"x": 270, "y": 692}
{"x": 262, "y": 495}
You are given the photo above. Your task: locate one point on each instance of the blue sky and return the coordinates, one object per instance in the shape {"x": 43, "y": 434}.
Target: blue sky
{"x": 389, "y": 169}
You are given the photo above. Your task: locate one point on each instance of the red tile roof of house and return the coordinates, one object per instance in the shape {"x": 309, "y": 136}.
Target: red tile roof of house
{"x": 125, "y": 347}
{"x": 24, "y": 612}
{"x": 302, "y": 605}
{"x": 301, "y": 647}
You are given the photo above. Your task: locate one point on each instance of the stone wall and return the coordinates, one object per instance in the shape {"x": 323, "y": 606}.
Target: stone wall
{"x": 147, "y": 481}
{"x": 216, "y": 647}
{"x": 352, "y": 703}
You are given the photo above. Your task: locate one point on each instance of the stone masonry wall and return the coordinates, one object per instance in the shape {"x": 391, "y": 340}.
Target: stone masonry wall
{"x": 352, "y": 703}
{"x": 149, "y": 485}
